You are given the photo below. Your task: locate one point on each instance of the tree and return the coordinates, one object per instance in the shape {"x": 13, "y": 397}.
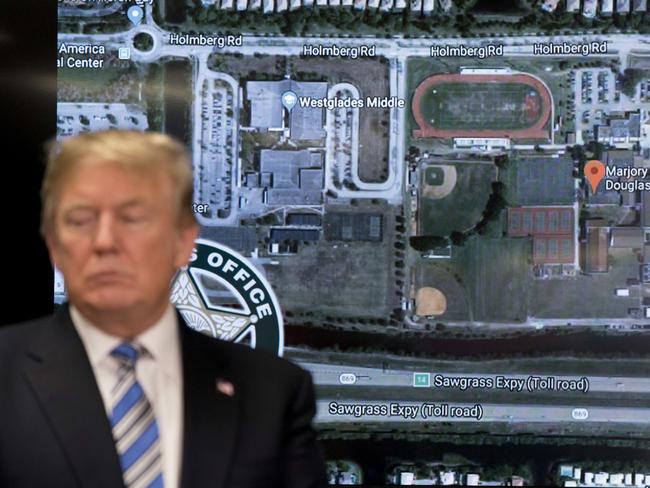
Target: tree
{"x": 493, "y": 208}
{"x": 427, "y": 243}
{"x": 464, "y": 22}
{"x": 630, "y": 78}
{"x": 501, "y": 161}
{"x": 595, "y": 148}
{"x": 458, "y": 238}
{"x": 143, "y": 42}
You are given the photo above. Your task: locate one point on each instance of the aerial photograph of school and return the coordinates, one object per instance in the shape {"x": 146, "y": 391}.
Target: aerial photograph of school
{"x": 440, "y": 208}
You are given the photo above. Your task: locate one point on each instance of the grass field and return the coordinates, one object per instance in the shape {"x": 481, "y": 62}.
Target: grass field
{"x": 463, "y": 207}
{"x": 353, "y": 280}
{"x": 498, "y": 277}
{"x": 481, "y": 106}
{"x": 486, "y": 280}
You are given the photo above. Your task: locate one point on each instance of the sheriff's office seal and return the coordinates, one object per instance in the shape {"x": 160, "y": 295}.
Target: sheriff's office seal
{"x": 259, "y": 320}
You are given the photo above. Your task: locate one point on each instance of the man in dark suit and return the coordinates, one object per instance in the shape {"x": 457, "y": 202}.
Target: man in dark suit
{"x": 114, "y": 389}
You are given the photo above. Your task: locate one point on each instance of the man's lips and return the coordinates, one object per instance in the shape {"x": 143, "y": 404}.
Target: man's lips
{"x": 107, "y": 277}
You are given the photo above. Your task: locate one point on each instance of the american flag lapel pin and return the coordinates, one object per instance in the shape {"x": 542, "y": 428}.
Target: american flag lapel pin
{"x": 225, "y": 387}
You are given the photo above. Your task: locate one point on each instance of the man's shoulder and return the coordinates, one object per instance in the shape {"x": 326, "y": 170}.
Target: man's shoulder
{"x": 251, "y": 363}
{"x": 14, "y": 337}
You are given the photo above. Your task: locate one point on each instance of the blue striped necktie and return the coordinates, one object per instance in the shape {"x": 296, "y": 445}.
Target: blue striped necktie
{"x": 135, "y": 430}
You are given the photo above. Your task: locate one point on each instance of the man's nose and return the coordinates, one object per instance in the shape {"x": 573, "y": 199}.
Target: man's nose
{"x": 105, "y": 235}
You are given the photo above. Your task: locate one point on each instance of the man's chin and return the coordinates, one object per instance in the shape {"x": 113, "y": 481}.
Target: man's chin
{"x": 106, "y": 302}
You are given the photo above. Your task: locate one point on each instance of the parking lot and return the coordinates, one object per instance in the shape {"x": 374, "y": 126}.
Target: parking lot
{"x": 214, "y": 172}
{"x": 340, "y": 126}
{"x": 75, "y": 118}
{"x": 595, "y": 95}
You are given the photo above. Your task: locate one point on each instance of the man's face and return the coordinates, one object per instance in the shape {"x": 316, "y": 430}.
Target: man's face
{"x": 117, "y": 241}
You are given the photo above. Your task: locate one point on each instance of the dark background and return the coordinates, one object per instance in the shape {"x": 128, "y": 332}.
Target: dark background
{"x": 27, "y": 119}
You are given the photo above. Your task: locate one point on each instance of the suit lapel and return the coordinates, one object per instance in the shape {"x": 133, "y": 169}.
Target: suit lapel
{"x": 211, "y": 412}
{"x": 57, "y": 367}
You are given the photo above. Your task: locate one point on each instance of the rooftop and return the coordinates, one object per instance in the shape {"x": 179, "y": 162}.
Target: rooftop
{"x": 281, "y": 235}
{"x": 267, "y": 111}
{"x": 620, "y": 129}
{"x": 349, "y": 226}
{"x": 242, "y": 239}
{"x": 550, "y": 5}
{"x": 545, "y": 181}
{"x": 610, "y": 197}
{"x": 292, "y": 177}
{"x": 632, "y": 237}
{"x": 623, "y": 6}
{"x": 597, "y": 250}
{"x": 572, "y": 5}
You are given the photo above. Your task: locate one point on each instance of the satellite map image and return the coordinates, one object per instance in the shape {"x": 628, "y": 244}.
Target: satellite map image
{"x": 437, "y": 207}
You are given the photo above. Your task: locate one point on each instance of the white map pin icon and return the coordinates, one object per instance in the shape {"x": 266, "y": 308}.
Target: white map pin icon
{"x": 289, "y": 100}
{"x": 135, "y": 14}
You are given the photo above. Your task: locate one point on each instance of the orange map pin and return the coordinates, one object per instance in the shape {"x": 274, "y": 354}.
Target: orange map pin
{"x": 594, "y": 172}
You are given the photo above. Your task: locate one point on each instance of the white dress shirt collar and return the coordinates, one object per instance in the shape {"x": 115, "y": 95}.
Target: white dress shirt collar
{"x": 160, "y": 340}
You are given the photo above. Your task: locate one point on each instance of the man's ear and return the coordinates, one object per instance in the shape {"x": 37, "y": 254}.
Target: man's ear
{"x": 52, "y": 249}
{"x": 187, "y": 236}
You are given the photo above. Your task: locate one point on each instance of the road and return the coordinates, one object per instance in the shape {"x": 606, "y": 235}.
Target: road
{"x": 522, "y": 414}
{"x": 330, "y": 374}
{"x": 604, "y": 402}
{"x": 619, "y": 45}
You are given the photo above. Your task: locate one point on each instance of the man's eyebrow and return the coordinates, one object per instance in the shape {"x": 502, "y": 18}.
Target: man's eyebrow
{"x": 132, "y": 203}
{"x": 78, "y": 206}
{"x": 135, "y": 202}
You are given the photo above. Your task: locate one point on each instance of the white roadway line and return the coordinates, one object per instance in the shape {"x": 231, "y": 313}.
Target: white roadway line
{"x": 288, "y": 48}
{"x": 328, "y": 374}
{"x": 533, "y": 321}
{"x": 491, "y": 412}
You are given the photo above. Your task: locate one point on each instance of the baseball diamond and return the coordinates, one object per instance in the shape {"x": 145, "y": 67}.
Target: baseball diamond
{"x": 516, "y": 106}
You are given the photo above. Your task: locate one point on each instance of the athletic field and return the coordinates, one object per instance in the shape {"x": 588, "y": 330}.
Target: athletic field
{"x": 514, "y": 106}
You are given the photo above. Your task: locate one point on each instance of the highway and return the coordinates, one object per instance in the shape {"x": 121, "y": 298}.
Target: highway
{"x": 511, "y": 413}
{"x": 508, "y": 399}
{"x": 330, "y": 374}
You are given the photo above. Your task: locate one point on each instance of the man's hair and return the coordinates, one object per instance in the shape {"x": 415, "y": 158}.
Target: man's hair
{"x": 143, "y": 152}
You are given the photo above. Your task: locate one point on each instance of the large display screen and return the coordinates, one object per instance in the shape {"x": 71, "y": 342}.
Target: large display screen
{"x": 439, "y": 208}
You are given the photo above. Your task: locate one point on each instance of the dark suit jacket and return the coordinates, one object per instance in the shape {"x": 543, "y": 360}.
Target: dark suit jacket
{"x": 54, "y": 431}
